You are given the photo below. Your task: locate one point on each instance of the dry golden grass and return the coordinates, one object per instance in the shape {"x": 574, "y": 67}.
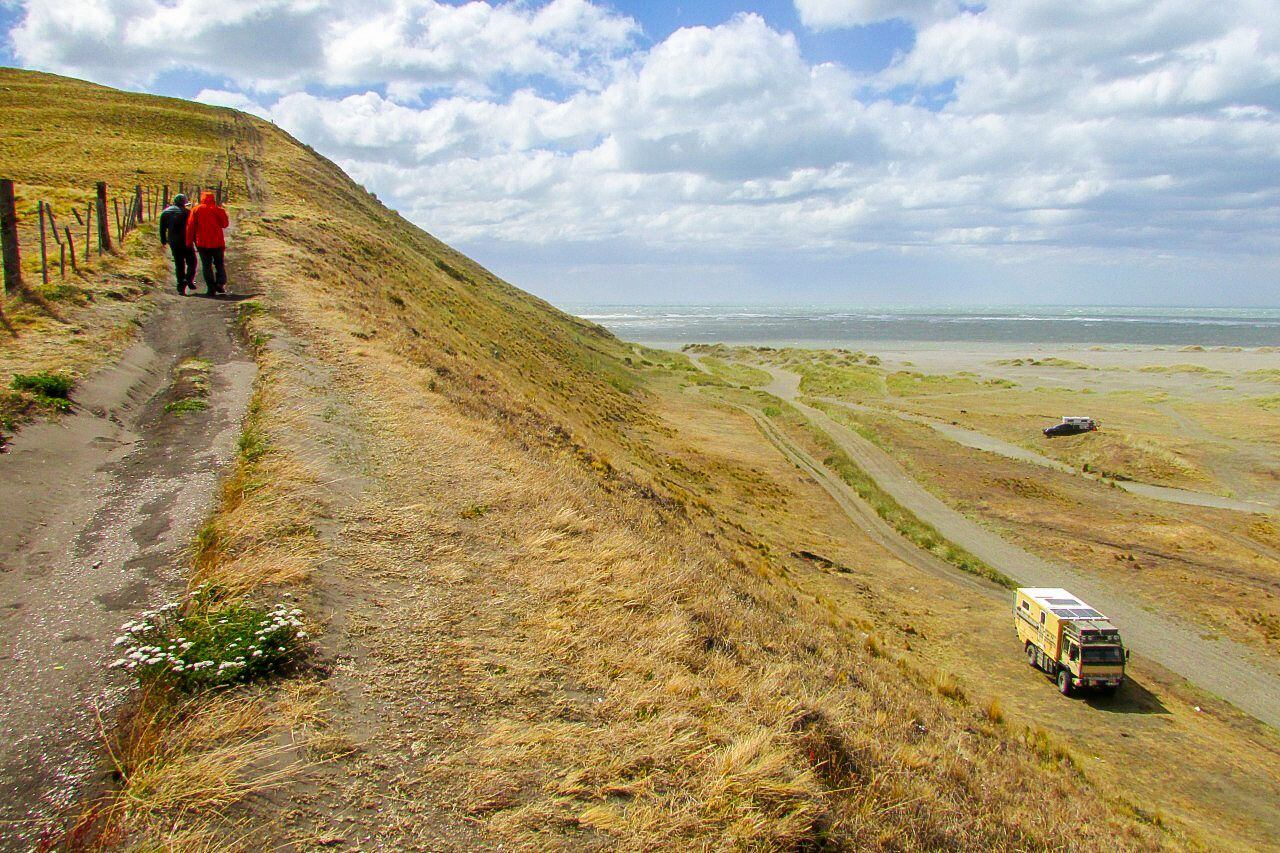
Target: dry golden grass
{"x": 181, "y": 763}
{"x": 713, "y": 705}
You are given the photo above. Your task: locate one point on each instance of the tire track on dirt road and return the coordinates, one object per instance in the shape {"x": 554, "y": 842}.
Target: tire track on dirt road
{"x": 100, "y": 508}
{"x": 866, "y": 518}
{"x": 1220, "y": 666}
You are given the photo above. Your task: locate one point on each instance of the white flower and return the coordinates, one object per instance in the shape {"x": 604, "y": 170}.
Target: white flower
{"x": 118, "y": 663}
{"x": 301, "y": 635}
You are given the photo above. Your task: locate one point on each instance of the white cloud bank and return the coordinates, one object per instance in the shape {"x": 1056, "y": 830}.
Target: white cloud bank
{"x": 1098, "y": 130}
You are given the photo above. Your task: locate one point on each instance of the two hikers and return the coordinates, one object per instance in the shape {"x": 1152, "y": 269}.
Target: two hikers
{"x": 199, "y": 230}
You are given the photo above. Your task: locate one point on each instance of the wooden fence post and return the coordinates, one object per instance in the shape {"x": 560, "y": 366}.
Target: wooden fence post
{"x": 9, "y": 238}
{"x": 88, "y": 230}
{"x": 164, "y": 200}
{"x": 115, "y": 204}
{"x": 71, "y": 244}
{"x": 44, "y": 260}
{"x": 76, "y": 213}
{"x": 62, "y": 249}
{"x": 137, "y": 202}
{"x": 53, "y": 223}
{"x": 104, "y": 227}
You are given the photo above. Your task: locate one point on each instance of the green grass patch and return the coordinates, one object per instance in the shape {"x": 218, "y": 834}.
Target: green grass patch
{"x": 903, "y": 520}
{"x": 846, "y": 380}
{"x": 1186, "y": 369}
{"x": 43, "y": 384}
{"x": 185, "y": 405}
{"x": 1050, "y": 361}
{"x": 736, "y": 374}
{"x": 906, "y": 383}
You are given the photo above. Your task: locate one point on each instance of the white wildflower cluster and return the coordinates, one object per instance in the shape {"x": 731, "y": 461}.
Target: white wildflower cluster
{"x": 235, "y": 642}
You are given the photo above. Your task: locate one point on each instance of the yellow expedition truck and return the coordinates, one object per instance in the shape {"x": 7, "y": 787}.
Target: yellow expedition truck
{"x": 1069, "y": 640}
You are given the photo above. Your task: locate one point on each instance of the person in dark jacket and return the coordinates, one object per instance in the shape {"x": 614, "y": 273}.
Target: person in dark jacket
{"x": 173, "y": 233}
{"x": 204, "y": 230}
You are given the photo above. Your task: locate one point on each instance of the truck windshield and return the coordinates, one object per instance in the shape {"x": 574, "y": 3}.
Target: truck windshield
{"x": 1102, "y": 654}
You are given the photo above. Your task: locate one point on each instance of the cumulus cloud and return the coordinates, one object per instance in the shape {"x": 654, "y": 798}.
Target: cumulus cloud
{"x": 1101, "y": 129}
{"x": 726, "y": 135}
{"x": 408, "y": 46}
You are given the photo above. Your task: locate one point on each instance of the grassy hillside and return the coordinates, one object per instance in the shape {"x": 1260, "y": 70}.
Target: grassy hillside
{"x": 534, "y": 628}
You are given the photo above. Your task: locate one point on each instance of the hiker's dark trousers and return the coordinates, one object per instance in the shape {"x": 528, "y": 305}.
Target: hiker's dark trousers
{"x": 184, "y": 264}
{"x": 215, "y": 272}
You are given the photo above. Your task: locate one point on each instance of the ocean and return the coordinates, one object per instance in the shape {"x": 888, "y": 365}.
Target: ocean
{"x": 675, "y": 325}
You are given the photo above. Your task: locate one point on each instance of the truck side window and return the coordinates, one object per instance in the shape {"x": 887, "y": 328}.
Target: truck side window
{"x": 1026, "y": 606}
{"x": 1073, "y": 652}
{"x": 1041, "y": 617}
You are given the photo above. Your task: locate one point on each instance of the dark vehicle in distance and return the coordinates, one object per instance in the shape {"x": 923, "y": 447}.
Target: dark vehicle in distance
{"x": 1071, "y": 426}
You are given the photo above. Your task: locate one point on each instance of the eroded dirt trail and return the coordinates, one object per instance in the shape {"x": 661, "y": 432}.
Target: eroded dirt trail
{"x": 1220, "y": 666}
{"x": 99, "y": 508}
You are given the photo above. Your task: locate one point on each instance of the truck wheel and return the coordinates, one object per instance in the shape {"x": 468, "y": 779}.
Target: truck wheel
{"x": 1031, "y": 654}
{"x": 1064, "y": 682}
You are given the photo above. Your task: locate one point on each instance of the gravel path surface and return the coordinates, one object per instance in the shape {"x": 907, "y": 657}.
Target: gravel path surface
{"x": 100, "y": 507}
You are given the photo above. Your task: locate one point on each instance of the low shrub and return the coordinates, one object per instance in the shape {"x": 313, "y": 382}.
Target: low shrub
{"x": 56, "y": 386}
{"x": 208, "y": 643}
{"x": 186, "y": 404}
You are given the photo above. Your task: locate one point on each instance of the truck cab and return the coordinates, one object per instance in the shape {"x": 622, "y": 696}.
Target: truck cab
{"x": 1061, "y": 635}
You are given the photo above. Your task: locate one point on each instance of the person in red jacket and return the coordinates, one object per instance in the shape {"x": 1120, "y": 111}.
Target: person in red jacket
{"x": 204, "y": 231}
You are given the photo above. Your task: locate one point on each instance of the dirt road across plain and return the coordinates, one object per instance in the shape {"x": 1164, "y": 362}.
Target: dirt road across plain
{"x": 99, "y": 508}
{"x": 1219, "y": 666}
{"x": 990, "y": 444}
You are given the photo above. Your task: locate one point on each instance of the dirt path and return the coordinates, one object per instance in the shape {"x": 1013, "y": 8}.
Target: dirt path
{"x": 858, "y": 511}
{"x": 1229, "y": 458}
{"x": 981, "y": 441}
{"x": 1220, "y": 666}
{"x": 99, "y": 507}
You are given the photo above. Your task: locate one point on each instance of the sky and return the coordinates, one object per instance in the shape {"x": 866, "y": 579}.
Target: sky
{"x": 842, "y": 152}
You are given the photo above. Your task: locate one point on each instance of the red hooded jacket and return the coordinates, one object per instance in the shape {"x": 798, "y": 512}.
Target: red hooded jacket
{"x": 205, "y": 224}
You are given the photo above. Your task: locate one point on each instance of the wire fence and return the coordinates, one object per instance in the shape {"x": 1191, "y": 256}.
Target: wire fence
{"x": 99, "y": 225}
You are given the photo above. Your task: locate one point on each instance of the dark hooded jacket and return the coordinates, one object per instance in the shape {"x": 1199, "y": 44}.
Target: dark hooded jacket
{"x": 173, "y": 225}
{"x": 204, "y": 226}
